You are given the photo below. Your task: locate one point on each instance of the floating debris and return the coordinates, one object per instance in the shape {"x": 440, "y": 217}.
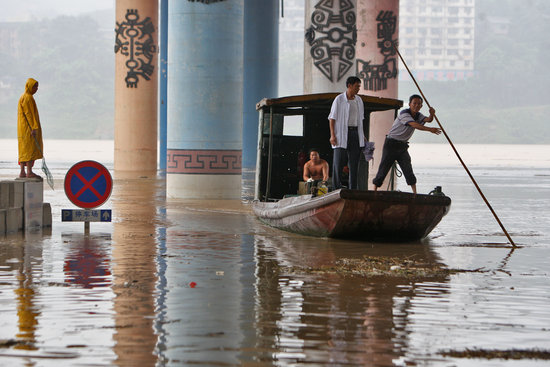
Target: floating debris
{"x": 499, "y": 354}
{"x": 370, "y": 266}
{"x": 22, "y": 344}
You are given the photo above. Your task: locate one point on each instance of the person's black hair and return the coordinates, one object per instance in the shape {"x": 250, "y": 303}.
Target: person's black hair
{"x": 352, "y": 80}
{"x": 415, "y": 96}
{"x": 313, "y": 150}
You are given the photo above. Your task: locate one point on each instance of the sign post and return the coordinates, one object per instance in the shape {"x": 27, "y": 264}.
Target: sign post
{"x": 88, "y": 185}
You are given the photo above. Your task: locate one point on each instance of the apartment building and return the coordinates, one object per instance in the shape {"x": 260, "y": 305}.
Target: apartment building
{"x": 436, "y": 38}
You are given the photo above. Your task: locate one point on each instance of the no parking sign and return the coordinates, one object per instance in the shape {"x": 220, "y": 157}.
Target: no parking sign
{"x": 88, "y": 184}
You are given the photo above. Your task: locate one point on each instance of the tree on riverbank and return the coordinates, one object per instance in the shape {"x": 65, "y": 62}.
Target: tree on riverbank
{"x": 73, "y": 60}
{"x": 506, "y": 100}
{"x": 509, "y": 96}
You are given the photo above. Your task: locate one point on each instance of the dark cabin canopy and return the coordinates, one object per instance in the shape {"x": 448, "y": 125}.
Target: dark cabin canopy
{"x": 288, "y": 128}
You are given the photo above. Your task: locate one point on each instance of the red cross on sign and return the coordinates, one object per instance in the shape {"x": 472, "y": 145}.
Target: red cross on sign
{"x": 88, "y": 184}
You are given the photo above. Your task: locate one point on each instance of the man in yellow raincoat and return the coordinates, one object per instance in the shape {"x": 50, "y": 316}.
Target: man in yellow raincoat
{"x": 29, "y": 131}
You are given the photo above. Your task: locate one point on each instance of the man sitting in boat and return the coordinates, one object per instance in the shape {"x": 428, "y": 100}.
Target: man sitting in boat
{"x": 396, "y": 145}
{"x": 315, "y": 171}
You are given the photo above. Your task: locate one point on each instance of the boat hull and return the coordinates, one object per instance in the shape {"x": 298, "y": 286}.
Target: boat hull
{"x": 364, "y": 215}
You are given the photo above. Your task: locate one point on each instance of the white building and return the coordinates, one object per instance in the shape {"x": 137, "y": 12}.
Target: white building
{"x": 436, "y": 38}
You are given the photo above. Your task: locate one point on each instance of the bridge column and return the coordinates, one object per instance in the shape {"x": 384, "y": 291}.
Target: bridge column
{"x": 205, "y": 94}
{"x": 136, "y": 85}
{"x": 376, "y": 66}
{"x": 330, "y": 43}
{"x": 261, "y": 53}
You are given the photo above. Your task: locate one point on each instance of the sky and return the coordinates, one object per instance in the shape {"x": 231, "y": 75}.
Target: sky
{"x": 24, "y": 10}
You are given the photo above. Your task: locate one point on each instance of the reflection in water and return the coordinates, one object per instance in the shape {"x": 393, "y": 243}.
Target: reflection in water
{"x": 313, "y": 317}
{"x": 161, "y": 290}
{"x": 134, "y": 269}
{"x": 29, "y": 256}
{"x": 205, "y": 321}
{"x": 87, "y": 263}
{"x": 263, "y": 297}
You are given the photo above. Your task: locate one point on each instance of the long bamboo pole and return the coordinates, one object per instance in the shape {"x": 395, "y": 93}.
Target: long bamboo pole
{"x": 456, "y": 152}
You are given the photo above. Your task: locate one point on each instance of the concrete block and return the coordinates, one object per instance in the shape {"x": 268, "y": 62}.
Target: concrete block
{"x": 46, "y": 215}
{"x": 17, "y": 198}
{"x": 14, "y": 220}
{"x": 3, "y": 213}
{"x": 33, "y": 200}
{"x": 4, "y": 195}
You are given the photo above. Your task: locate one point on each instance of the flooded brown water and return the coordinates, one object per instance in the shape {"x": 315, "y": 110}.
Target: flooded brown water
{"x": 181, "y": 283}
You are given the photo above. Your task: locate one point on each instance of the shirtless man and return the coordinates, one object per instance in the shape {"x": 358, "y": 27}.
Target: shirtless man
{"x": 316, "y": 168}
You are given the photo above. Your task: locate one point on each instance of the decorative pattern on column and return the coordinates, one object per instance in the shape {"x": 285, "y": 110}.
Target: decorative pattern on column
{"x": 210, "y": 162}
{"x": 134, "y": 39}
{"x": 375, "y": 77}
{"x": 332, "y": 37}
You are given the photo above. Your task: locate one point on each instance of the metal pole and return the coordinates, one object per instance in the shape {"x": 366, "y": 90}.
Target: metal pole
{"x": 270, "y": 155}
{"x": 163, "y": 85}
{"x": 456, "y": 152}
{"x": 259, "y": 155}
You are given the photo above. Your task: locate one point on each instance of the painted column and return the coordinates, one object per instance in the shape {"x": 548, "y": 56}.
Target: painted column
{"x": 163, "y": 81}
{"x": 205, "y": 90}
{"x": 330, "y": 43}
{"x": 376, "y": 66}
{"x": 136, "y": 85}
{"x": 261, "y": 53}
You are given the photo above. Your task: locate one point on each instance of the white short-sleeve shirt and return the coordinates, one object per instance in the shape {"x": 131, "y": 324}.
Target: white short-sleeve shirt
{"x": 340, "y": 112}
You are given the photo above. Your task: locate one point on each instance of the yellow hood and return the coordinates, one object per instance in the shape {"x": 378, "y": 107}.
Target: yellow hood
{"x": 30, "y": 84}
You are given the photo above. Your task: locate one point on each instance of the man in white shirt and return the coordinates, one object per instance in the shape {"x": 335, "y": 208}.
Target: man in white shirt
{"x": 346, "y": 132}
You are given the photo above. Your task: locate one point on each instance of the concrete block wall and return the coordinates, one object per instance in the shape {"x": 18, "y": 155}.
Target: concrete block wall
{"x": 3, "y": 213}
{"x": 12, "y": 205}
{"x": 46, "y": 215}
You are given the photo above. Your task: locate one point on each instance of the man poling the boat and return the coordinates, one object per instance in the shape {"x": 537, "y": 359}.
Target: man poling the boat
{"x": 456, "y": 152}
{"x": 396, "y": 145}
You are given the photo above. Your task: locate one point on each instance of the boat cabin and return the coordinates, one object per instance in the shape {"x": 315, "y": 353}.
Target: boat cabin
{"x": 288, "y": 128}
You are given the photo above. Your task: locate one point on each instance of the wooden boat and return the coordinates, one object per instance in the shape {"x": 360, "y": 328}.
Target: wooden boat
{"x": 366, "y": 215}
{"x": 358, "y": 214}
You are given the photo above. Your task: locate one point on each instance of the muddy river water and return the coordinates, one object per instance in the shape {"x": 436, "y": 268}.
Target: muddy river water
{"x": 196, "y": 282}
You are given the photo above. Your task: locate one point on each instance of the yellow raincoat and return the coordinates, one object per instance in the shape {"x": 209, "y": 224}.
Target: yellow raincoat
{"x": 28, "y": 120}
